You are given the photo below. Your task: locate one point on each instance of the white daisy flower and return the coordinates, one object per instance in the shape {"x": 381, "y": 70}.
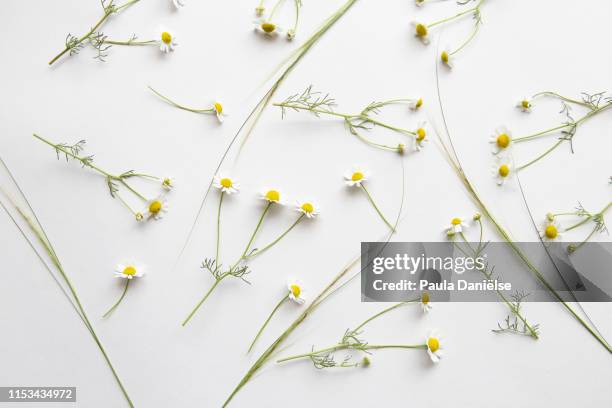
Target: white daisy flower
{"x": 167, "y": 182}
{"x": 420, "y": 31}
{"x": 356, "y": 176}
{"x": 501, "y": 171}
{"x": 420, "y": 136}
{"x": 501, "y": 140}
{"x": 415, "y": 104}
{"x": 425, "y": 304}
{"x": 446, "y": 58}
{"x": 178, "y": 3}
{"x": 263, "y": 25}
{"x": 218, "y": 110}
{"x": 457, "y": 225}
{"x": 309, "y": 208}
{"x": 167, "y": 40}
{"x": 226, "y": 184}
{"x": 551, "y": 231}
{"x": 296, "y": 290}
{"x": 525, "y": 104}
{"x": 435, "y": 347}
{"x": 272, "y": 195}
{"x": 156, "y": 208}
{"x": 129, "y": 271}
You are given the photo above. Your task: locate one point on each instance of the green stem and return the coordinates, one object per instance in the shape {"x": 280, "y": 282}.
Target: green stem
{"x": 263, "y": 214}
{"x": 131, "y": 42}
{"x": 281, "y": 236}
{"x": 267, "y": 321}
{"x": 376, "y": 207}
{"x": 446, "y": 20}
{"x": 541, "y": 156}
{"x": 108, "y": 12}
{"x": 113, "y": 307}
{"x": 195, "y": 309}
{"x": 469, "y": 39}
{"x": 563, "y": 98}
{"x": 536, "y": 135}
{"x": 176, "y": 105}
{"x": 384, "y": 311}
{"x": 349, "y": 346}
{"x": 278, "y": 3}
{"x": 218, "y": 229}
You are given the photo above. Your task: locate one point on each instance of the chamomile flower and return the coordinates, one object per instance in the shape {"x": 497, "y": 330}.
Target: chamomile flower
{"x": 421, "y": 31}
{"x": 226, "y": 184}
{"x": 435, "y": 348}
{"x": 525, "y": 105}
{"x": 501, "y": 171}
{"x": 290, "y": 34}
{"x": 457, "y": 225}
{"x": 259, "y": 10}
{"x": 178, "y": 3}
{"x": 356, "y": 176}
{"x": 272, "y": 195}
{"x": 167, "y": 40}
{"x": 446, "y": 58}
{"x": 167, "y": 183}
{"x": 420, "y": 136}
{"x": 415, "y": 104}
{"x": 263, "y": 25}
{"x": 296, "y": 290}
{"x": 501, "y": 140}
{"x": 308, "y": 208}
{"x": 129, "y": 271}
{"x": 425, "y": 304}
{"x": 551, "y": 231}
{"x": 156, "y": 208}
{"x": 218, "y": 110}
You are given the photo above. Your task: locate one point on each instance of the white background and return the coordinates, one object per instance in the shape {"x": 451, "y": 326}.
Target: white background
{"x": 523, "y": 47}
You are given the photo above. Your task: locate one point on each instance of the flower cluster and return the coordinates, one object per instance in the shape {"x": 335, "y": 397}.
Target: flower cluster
{"x": 228, "y": 186}
{"x": 552, "y": 229}
{"x": 422, "y": 30}
{"x": 154, "y": 208}
{"x": 358, "y": 123}
{"x": 266, "y": 23}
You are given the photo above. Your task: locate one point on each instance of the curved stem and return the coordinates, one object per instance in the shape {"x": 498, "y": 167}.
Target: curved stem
{"x": 113, "y": 307}
{"x": 563, "y": 98}
{"x": 377, "y": 315}
{"x": 195, "y": 309}
{"x": 538, "y": 134}
{"x": 376, "y": 207}
{"x": 177, "y": 105}
{"x": 281, "y": 236}
{"x": 550, "y": 149}
{"x": 131, "y": 42}
{"x": 274, "y": 9}
{"x": 267, "y": 321}
{"x": 446, "y": 20}
{"x": 353, "y": 347}
{"x": 469, "y": 39}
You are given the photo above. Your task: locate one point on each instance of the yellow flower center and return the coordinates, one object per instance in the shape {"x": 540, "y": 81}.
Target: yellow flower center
{"x": 268, "y": 27}
{"x": 456, "y": 221}
{"x": 504, "y": 170}
{"x": 357, "y": 176}
{"x": 421, "y": 30}
{"x": 419, "y": 103}
{"x": 525, "y": 104}
{"x": 155, "y": 207}
{"x": 296, "y": 290}
{"x": 218, "y": 108}
{"x": 433, "y": 344}
{"x": 421, "y": 134}
{"x": 166, "y": 37}
{"x": 225, "y": 182}
{"x": 425, "y": 298}
{"x": 308, "y": 207}
{"x": 273, "y": 195}
{"x": 129, "y": 270}
{"x": 551, "y": 232}
{"x": 503, "y": 140}
{"x": 444, "y": 57}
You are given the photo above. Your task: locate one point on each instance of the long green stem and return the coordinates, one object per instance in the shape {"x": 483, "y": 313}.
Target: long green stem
{"x": 281, "y": 236}
{"x": 263, "y": 215}
{"x": 195, "y": 309}
{"x": 563, "y": 98}
{"x": 387, "y": 310}
{"x": 463, "y": 13}
{"x": 183, "y": 107}
{"x": 363, "y": 187}
{"x": 267, "y": 321}
{"x": 113, "y": 307}
{"x": 469, "y": 39}
{"x": 110, "y": 10}
{"x": 349, "y": 346}
{"x": 218, "y": 243}
{"x": 131, "y": 42}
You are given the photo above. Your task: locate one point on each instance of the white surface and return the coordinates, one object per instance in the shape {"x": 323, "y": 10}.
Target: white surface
{"x": 522, "y": 48}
